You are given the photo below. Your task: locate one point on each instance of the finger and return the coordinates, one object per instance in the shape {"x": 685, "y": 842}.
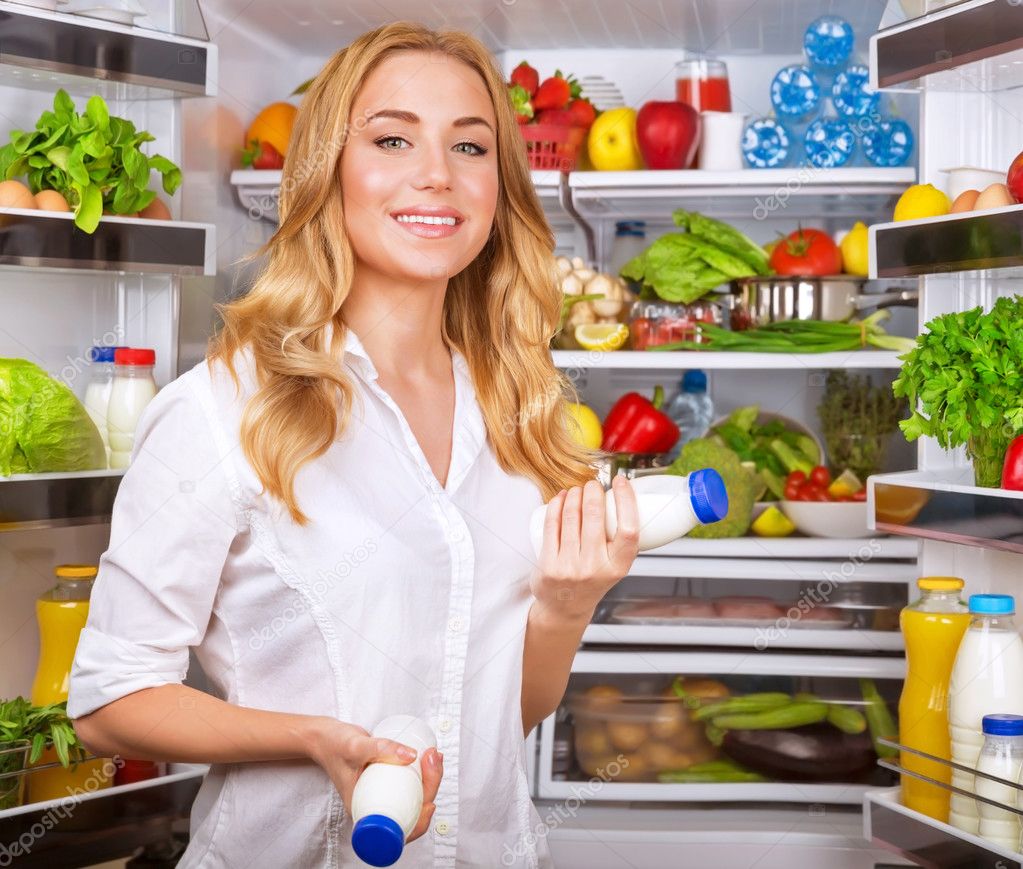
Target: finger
{"x": 433, "y": 772}
{"x": 594, "y": 535}
{"x": 423, "y": 824}
{"x": 552, "y": 527}
{"x": 387, "y": 751}
{"x": 571, "y": 521}
{"x": 624, "y": 543}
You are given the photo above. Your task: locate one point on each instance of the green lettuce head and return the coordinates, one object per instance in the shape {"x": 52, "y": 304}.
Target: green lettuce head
{"x": 43, "y": 427}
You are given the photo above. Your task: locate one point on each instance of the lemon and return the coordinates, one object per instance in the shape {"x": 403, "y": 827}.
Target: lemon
{"x": 844, "y": 485}
{"x": 602, "y": 336}
{"x": 584, "y": 425}
{"x": 773, "y": 523}
{"x": 855, "y": 250}
{"x": 921, "y": 200}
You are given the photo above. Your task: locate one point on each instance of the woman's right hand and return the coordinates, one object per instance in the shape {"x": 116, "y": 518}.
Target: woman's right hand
{"x": 344, "y": 750}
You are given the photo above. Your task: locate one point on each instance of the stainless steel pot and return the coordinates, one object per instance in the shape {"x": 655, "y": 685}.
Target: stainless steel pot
{"x": 757, "y": 301}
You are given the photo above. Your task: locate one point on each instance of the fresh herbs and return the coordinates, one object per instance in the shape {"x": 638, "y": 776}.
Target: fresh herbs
{"x": 797, "y": 336}
{"x": 93, "y": 160}
{"x": 682, "y": 267}
{"x": 857, "y": 419}
{"x": 42, "y": 726}
{"x": 965, "y": 373}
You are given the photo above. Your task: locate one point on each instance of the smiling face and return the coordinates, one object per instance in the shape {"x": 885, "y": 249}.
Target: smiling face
{"x": 419, "y": 178}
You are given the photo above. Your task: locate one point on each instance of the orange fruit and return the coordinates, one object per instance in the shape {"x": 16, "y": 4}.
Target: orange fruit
{"x": 273, "y": 124}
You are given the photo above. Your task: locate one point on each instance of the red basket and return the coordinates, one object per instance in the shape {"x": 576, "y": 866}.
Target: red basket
{"x": 552, "y": 146}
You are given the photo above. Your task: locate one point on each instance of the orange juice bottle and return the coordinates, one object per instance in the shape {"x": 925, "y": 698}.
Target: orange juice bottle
{"x": 61, "y": 613}
{"x": 932, "y": 627}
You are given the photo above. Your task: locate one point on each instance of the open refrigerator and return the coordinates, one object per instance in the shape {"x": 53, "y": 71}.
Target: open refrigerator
{"x": 194, "y": 74}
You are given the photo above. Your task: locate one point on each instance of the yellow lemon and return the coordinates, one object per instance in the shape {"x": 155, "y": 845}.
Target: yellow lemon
{"x": 602, "y": 336}
{"x": 611, "y": 142}
{"x": 773, "y": 523}
{"x": 855, "y": 252}
{"x": 921, "y": 200}
{"x": 846, "y": 484}
{"x": 584, "y": 425}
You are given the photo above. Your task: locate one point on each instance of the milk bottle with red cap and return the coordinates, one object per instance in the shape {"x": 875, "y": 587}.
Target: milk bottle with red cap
{"x": 132, "y": 389}
{"x": 987, "y": 678}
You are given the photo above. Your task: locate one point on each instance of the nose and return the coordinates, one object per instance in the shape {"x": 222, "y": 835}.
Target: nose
{"x": 433, "y": 171}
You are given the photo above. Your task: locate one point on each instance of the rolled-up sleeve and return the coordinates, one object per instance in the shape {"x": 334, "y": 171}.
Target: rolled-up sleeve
{"x": 174, "y": 520}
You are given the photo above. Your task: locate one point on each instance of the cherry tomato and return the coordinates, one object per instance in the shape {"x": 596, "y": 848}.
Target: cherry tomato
{"x": 810, "y": 492}
{"x": 792, "y": 491}
{"x": 797, "y": 477}
{"x": 819, "y": 476}
{"x": 861, "y": 495}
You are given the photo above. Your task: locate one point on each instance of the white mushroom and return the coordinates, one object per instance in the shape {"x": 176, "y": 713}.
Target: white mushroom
{"x": 564, "y": 265}
{"x": 614, "y": 298}
{"x": 577, "y": 262}
{"x": 585, "y": 275}
{"x": 571, "y": 285}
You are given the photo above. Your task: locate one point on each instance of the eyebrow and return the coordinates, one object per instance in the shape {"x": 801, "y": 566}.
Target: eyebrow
{"x": 413, "y": 118}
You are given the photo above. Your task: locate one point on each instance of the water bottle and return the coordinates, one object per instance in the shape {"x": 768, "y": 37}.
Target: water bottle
{"x": 888, "y": 142}
{"x": 795, "y": 92}
{"x": 765, "y": 143}
{"x": 828, "y": 42}
{"x": 829, "y": 142}
{"x": 852, "y": 94}
{"x": 669, "y": 506}
{"x": 691, "y": 409}
{"x": 388, "y": 797}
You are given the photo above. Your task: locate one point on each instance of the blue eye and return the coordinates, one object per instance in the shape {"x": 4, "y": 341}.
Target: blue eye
{"x": 380, "y": 142}
{"x": 478, "y": 150}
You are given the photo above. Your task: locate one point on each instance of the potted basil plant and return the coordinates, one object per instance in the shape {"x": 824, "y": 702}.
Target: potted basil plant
{"x": 26, "y": 731}
{"x": 964, "y": 382}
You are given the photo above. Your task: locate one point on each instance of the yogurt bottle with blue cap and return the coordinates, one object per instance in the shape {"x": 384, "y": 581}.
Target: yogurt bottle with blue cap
{"x": 1002, "y": 757}
{"x": 987, "y": 678}
{"x": 388, "y": 797}
{"x": 669, "y": 506}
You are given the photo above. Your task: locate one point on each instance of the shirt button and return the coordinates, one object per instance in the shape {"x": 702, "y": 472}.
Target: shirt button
{"x": 442, "y": 828}
{"x": 455, "y": 624}
{"x": 444, "y": 726}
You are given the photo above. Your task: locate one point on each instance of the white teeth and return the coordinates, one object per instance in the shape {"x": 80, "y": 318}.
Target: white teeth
{"x": 420, "y": 218}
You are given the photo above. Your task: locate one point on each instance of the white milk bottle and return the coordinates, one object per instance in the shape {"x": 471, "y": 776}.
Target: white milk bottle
{"x": 1001, "y": 756}
{"x": 670, "y": 506}
{"x": 132, "y": 389}
{"x": 388, "y": 797}
{"x": 987, "y": 678}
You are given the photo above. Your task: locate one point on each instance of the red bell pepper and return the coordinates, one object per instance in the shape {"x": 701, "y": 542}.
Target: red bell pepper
{"x": 636, "y": 425}
{"x": 1012, "y": 470}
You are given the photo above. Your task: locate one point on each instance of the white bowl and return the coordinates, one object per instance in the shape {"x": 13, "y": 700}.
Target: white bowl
{"x": 834, "y": 519}
{"x": 962, "y": 178}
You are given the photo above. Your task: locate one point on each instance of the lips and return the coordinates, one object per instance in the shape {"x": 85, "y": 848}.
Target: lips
{"x": 429, "y": 221}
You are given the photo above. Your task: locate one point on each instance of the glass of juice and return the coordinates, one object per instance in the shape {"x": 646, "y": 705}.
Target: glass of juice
{"x": 703, "y": 83}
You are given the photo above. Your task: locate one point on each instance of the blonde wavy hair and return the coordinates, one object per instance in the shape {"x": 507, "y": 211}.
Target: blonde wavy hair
{"x": 500, "y": 312}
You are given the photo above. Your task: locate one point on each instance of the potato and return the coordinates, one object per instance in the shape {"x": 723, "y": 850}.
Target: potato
{"x": 634, "y": 767}
{"x": 603, "y": 696}
{"x": 591, "y": 739}
{"x": 659, "y": 755}
{"x": 668, "y": 720}
{"x": 627, "y": 735}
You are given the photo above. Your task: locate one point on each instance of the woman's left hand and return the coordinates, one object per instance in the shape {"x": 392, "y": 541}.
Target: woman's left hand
{"x": 578, "y": 563}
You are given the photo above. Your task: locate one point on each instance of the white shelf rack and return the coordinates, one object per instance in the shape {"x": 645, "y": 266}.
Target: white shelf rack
{"x": 668, "y": 360}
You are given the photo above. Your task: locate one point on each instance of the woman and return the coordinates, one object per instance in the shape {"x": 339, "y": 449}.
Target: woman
{"x": 333, "y": 509}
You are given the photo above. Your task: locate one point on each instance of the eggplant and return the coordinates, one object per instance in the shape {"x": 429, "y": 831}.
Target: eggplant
{"x": 813, "y": 752}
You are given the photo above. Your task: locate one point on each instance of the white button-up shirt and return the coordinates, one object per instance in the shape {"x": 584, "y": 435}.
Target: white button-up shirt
{"x": 399, "y": 596}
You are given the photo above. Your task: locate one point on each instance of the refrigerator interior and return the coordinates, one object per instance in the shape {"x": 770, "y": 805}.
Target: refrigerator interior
{"x": 265, "y": 50}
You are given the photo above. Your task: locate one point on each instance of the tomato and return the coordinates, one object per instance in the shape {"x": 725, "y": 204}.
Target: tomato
{"x": 1012, "y": 468}
{"x": 797, "y": 477}
{"x": 806, "y": 252}
{"x": 819, "y": 476}
{"x": 861, "y": 495}
{"x": 812, "y": 492}
{"x": 792, "y": 491}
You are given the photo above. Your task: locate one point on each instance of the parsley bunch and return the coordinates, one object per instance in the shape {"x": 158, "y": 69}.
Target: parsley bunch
{"x": 966, "y": 372}
{"x": 42, "y": 726}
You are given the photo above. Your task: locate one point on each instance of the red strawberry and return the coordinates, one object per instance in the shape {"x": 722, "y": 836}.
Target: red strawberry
{"x": 561, "y": 117}
{"x": 525, "y": 76}
{"x": 554, "y": 93}
{"x": 262, "y": 155}
{"x": 583, "y": 112}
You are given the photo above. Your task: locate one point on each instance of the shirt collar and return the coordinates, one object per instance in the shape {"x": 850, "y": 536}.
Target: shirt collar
{"x": 356, "y": 355}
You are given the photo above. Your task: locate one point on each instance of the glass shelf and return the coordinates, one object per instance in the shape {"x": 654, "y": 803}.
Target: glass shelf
{"x": 29, "y": 501}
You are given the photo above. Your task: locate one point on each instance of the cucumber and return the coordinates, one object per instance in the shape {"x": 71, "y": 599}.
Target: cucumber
{"x": 720, "y": 776}
{"x": 747, "y": 703}
{"x": 846, "y": 719}
{"x": 782, "y": 718}
{"x": 879, "y": 719}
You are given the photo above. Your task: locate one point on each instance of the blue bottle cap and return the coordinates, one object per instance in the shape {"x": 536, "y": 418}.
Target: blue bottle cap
{"x": 694, "y": 381}
{"x": 630, "y": 227}
{"x": 100, "y": 353}
{"x": 378, "y": 840}
{"x": 1002, "y": 724}
{"x": 708, "y": 495}
{"x": 992, "y": 604}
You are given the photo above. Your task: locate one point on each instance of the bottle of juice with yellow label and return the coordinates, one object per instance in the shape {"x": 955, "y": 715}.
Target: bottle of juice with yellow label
{"x": 61, "y": 613}
{"x": 932, "y": 627}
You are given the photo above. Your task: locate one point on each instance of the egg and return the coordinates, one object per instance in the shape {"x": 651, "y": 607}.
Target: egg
{"x": 14, "y": 194}
{"x": 994, "y": 196}
{"x": 156, "y": 210}
{"x": 51, "y": 200}
{"x": 965, "y": 201}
